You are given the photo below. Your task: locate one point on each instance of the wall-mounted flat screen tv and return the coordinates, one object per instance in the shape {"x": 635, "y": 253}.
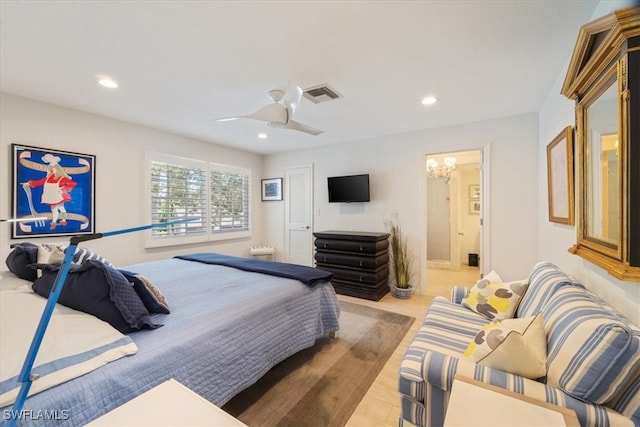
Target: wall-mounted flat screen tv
{"x": 348, "y": 189}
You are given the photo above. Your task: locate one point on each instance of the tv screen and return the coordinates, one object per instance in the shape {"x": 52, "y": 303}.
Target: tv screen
{"x": 347, "y": 189}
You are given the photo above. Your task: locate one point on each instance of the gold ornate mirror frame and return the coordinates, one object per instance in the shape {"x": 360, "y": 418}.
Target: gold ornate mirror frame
{"x": 604, "y": 80}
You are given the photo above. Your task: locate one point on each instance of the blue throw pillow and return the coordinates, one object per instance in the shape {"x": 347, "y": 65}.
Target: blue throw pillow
{"x": 149, "y": 294}
{"x": 99, "y": 290}
{"x": 20, "y": 258}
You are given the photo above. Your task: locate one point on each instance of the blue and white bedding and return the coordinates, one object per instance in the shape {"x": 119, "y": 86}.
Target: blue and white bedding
{"x": 226, "y": 329}
{"x": 75, "y": 343}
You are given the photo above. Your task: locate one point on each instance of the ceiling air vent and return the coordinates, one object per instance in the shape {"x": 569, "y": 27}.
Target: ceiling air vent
{"x": 322, "y": 93}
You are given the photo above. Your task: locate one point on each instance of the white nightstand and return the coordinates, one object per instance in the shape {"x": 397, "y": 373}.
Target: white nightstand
{"x": 168, "y": 404}
{"x": 473, "y": 403}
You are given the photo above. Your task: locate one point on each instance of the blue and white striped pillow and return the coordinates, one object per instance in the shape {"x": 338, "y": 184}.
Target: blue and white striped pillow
{"x": 592, "y": 352}
{"x": 84, "y": 254}
{"x": 544, "y": 280}
{"x": 49, "y": 253}
{"x": 627, "y": 402}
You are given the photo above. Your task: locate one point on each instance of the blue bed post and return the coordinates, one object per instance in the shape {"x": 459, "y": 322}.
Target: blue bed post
{"x": 26, "y": 377}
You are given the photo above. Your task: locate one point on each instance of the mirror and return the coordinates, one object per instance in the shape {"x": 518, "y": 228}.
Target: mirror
{"x": 603, "y": 160}
{"x": 602, "y": 77}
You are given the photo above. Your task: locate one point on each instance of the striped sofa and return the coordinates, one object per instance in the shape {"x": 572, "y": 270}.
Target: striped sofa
{"x": 593, "y": 355}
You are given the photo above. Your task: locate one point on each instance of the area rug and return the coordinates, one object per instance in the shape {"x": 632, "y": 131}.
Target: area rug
{"x": 322, "y": 385}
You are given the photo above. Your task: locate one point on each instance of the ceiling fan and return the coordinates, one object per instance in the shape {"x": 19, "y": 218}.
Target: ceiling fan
{"x": 280, "y": 114}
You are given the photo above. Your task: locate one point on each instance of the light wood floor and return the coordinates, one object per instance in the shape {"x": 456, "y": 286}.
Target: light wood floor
{"x": 381, "y": 405}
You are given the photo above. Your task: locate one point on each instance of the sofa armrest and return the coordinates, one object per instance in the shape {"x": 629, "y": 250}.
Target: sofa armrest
{"x": 458, "y": 293}
{"x": 420, "y": 367}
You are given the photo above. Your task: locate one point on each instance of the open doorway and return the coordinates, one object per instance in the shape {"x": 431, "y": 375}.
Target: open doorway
{"x": 454, "y": 224}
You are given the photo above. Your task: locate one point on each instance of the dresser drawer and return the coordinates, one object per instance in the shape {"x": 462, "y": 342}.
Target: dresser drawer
{"x": 367, "y": 263}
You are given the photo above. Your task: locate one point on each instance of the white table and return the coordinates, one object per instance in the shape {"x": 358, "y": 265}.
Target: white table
{"x": 168, "y": 404}
{"x": 473, "y": 403}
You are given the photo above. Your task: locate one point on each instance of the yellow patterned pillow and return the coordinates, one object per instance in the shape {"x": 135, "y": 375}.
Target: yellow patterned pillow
{"x": 518, "y": 346}
{"x": 495, "y": 300}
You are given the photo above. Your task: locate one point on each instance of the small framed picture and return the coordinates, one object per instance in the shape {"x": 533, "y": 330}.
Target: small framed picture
{"x": 560, "y": 177}
{"x": 474, "y": 206}
{"x": 474, "y": 191}
{"x": 271, "y": 189}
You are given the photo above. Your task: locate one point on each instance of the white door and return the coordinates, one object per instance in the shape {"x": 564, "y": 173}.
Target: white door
{"x": 298, "y": 242}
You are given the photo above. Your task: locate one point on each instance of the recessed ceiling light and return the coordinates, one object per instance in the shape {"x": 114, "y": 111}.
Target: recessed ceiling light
{"x": 263, "y": 136}
{"x": 107, "y": 82}
{"x": 429, "y": 100}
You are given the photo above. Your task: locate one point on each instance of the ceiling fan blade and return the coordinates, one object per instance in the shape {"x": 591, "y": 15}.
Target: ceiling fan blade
{"x": 292, "y": 124}
{"x": 275, "y": 114}
{"x": 292, "y": 98}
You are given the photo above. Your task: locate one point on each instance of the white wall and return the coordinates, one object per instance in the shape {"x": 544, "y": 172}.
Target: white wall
{"x": 554, "y": 239}
{"x": 396, "y": 165}
{"x": 120, "y": 172}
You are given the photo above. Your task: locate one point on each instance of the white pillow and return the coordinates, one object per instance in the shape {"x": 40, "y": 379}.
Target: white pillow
{"x": 49, "y": 254}
{"x": 518, "y": 346}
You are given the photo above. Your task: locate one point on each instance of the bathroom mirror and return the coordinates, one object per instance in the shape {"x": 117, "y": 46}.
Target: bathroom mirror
{"x": 604, "y": 80}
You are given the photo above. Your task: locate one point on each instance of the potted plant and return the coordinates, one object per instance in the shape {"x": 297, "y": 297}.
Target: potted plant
{"x": 401, "y": 261}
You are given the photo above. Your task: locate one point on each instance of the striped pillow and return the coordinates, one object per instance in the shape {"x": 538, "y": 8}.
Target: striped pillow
{"x": 627, "y": 402}
{"x": 49, "y": 253}
{"x": 591, "y": 351}
{"x": 544, "y": 280}
{"x": 83, "y": 254}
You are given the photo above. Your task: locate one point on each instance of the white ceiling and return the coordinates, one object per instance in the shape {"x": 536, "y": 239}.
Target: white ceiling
{"x": 182, "y": 64}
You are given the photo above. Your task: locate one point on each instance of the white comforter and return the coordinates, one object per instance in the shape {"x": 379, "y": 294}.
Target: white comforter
{"x": 75, "y": 343}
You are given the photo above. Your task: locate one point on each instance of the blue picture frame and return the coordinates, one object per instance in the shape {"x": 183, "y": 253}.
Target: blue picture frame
{"x": 56, "y": 188}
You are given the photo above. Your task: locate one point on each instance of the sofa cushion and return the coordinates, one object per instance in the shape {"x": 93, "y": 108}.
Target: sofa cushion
{"x": 494, "y": 299}
{"x": 544, "y": 280}
{"x": 592, "y": 351}
{"x": 627, "y": 401}
{"x": 518, "y": 346}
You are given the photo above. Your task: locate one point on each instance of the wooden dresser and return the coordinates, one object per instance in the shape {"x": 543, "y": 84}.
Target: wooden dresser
{"x": 359, "y": 262}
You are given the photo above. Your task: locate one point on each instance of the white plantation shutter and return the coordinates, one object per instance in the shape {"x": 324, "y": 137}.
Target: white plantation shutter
{"x": 229, "y": 199}
{"x": 177, "y": 192}
{"x": 178, "y": 187}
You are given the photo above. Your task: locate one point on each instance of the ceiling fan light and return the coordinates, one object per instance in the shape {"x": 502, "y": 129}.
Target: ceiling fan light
{"x": 263, "y": 135}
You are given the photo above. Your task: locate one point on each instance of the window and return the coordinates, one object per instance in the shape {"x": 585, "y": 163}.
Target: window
{"x": 218, "y": 195}
{"x": 229, "y": 199}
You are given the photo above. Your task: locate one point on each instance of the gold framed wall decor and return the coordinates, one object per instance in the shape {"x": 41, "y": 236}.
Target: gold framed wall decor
{"x": 603, "y": 79}
{"x": 560, "y": 178}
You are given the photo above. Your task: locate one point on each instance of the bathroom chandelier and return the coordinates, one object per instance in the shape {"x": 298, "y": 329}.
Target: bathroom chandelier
{"x": 434, "y": 170}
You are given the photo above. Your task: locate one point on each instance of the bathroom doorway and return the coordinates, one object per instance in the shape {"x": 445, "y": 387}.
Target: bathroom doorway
{"x": 454, "y": 218}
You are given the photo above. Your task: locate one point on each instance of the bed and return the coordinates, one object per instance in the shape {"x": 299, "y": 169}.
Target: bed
{"x": 226, "y": 329}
